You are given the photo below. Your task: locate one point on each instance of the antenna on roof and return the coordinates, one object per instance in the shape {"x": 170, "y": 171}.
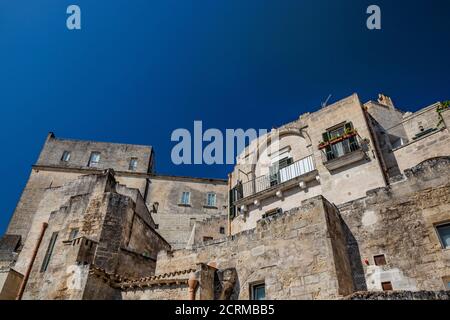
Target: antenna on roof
{"x": 324, "y": 104}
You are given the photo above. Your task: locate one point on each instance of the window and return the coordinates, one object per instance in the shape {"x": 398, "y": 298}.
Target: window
{"x": 274, "y": 169}
{"x": 207, "y": 239}
{"x": 65, "y": 156}
{"x": 258, "y": 291}
{"x": 344, "y": 141}
{"x": 272, "y": 212}
{"x": 156, "y": 226}
{"x": 73, "y": 233}
{"x": 380, "y": 260}
{"x": 444, "y": 235}
{"x": 211, "y": 199}
{"x": 48, "y": 254}
{"x": 94, "y": 159}
{"x": 387, "y": 286}
{"x": 133, "y": 164}
{"x": 222, "y": 230}
{"x": 186, "y": 198}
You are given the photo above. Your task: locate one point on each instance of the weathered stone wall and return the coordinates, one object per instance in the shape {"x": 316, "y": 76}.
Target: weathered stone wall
{"x": 293, "y": 253}
{"x": 10, "y": 281}
{"x": 170, "y": 292}
{"x": 436, "y": 144}
{"x": 388, "y": 133}
{"x": 291, "y": 198}
{"x": 400, "y": 295}
{"x": 399, "y": 222}
{"x": 176, "y": 220}
{"x": 98, "y": 289}
{"x": 50, "y": 172}
{"x": 209, "y": 228}
{"x": 112, "y": 235}
{"x": 112, "y": 155}
{"x": 414, "y": 123}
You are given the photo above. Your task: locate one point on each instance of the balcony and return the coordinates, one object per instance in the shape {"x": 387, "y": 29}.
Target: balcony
{"x": 343, "y": 151}
{"x": 267, "y": 185}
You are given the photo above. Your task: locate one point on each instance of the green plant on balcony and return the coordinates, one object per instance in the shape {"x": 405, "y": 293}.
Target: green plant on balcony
{"x": 348, "y": 133}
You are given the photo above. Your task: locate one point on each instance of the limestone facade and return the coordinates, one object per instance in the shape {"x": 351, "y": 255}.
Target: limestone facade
{"x": 353, "y": 197}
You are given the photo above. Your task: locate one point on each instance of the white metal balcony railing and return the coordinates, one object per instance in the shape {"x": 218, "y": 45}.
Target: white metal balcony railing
{"x": 290, "y": 172}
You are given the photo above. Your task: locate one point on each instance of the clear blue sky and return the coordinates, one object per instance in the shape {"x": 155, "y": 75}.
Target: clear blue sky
{"x": 139, "y": 69}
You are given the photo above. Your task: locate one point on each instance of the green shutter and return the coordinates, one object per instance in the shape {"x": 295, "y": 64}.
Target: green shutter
{"x": 348, "y": 126}
{"x": 325, "y": 137}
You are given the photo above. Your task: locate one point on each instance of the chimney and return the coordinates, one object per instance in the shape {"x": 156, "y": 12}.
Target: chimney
{"x": 385, "y": 100}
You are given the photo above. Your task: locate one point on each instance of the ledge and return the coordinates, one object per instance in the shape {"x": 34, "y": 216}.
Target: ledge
{"x": 345, "y": 160}
{"x": 184, "y": 205}
{"x": 307, "y": 177}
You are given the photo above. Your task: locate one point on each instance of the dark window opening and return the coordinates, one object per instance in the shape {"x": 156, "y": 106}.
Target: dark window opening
{"x": 258, "y": 291}
{"x": 186, "y": 198}
{"x": 65, "y": 156}
{"x": 272, "y": 212}
{"x": 94, "y": 159}
{"x": 387, "y": 286}
{"x": 340, "y": 141}
{"x": 380, "y": 260}
{"x": 207, "y": 239}
{"x": 222, "y": 230}
{"x": 133, "y": 164}
{"x": 49, "y": 252}
{"x": 444, "y": 235}
{"x": 274, "y": 170}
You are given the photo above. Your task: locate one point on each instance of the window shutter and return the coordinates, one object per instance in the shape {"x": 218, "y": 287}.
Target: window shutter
{"x": 325, "y": 137}
{"x": 232, "y": 199}
{"x": 348, "y": 126}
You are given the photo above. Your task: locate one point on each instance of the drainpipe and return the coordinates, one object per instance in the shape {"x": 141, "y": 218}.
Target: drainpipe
{"x": 192, "y": 283}
{"x": 30, "y": 265}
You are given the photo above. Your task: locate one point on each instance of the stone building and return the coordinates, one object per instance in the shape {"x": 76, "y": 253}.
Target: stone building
{"x": 351, "y": 201}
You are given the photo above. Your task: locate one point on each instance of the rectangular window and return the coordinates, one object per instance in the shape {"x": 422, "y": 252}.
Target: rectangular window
{"x": 222, "y": 230}
{"x": 207, "y": 239}
{"x": 49, "y": 252}
{"x": 444, "y": 234}
{"x": 387, "y": 286}
{"x": 342, "y": 140}
{"x": 65, "y": 156}
{"x": 258, "y": 291}
{"x": 73, "y": 233}
{"x": 274, "y": 169}
{"x": 211, "y": 199}
{"x": 380, "y": 260}
{"x": 133, "y": 164}
{"x": 186, "y": 198}
{"x": 94, "y": 159}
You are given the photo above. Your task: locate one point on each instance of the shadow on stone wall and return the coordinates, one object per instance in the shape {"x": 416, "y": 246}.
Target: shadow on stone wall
{"x": 359, "y": 279}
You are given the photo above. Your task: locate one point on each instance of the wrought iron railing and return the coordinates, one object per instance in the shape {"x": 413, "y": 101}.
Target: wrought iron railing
{"x": 265, "y": 182}
{"x": 341, "y": 148}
